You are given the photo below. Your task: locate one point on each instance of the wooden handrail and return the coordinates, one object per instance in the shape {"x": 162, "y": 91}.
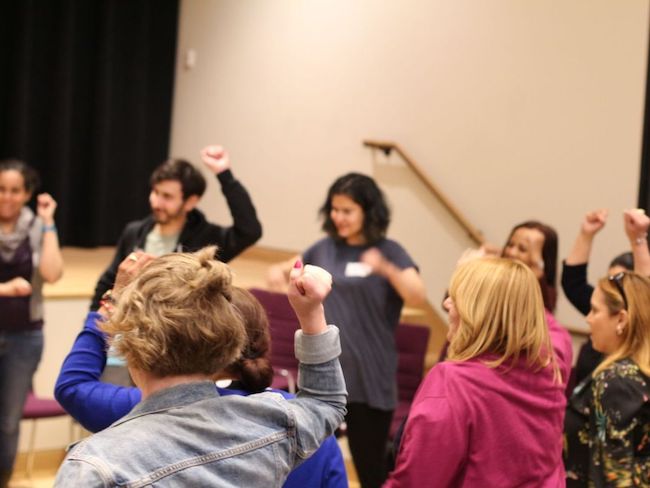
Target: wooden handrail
{"x": 387, "y": 147}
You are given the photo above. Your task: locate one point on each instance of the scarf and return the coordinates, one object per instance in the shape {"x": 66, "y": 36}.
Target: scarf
{"x": 10, "y": 242}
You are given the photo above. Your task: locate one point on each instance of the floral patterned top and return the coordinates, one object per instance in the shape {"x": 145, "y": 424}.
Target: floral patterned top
{"x": 607, "y": 429}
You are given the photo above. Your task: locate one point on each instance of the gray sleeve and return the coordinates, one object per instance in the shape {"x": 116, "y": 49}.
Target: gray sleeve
{"x": 397, "y": 255}
{"x": 320, "y": 406}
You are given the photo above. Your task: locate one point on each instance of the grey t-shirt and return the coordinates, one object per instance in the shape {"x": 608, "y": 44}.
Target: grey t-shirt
{"x": 366, "y": 309}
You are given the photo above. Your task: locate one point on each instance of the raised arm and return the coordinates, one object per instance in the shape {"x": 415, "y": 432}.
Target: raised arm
{"x": 320, "y": 406}
{"x": 574, "y": 268}
{"x": 78, "y": 389}
{"x": 51, "y": 262}
{"x": 593, "y": 222}
{"x": 127, "y": 242}
{"x": 95, "y": 404}
{"x": 246, "y": 228}
{"x": 636, "y": 228}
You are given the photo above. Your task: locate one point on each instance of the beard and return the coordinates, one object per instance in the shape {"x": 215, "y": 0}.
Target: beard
{"x": 164, "y": 217}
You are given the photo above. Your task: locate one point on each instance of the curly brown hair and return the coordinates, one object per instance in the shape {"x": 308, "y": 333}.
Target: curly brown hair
{"x": 177, "y": 317}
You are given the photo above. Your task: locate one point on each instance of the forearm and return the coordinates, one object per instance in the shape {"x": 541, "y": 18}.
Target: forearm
{"x": 94, "y": 404}
{"x": 581, "y": 249}
{"x": 320, "y": 407}
{"x": 51, "y": 260}
{"x": 246, "y": 228}
{"x": 641, "y": 255}
{"x": 407, "y": 283}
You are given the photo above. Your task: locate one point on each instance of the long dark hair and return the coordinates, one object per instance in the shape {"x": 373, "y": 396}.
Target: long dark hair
{"x": 549, "y": 256}
{"x": 364, "y": 192}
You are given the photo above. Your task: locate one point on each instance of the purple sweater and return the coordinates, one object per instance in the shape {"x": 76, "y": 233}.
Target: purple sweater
{"x": 475, "y": 426}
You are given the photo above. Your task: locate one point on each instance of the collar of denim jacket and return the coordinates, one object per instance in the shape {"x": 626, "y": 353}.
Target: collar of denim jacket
{"x": 173, "y": 397}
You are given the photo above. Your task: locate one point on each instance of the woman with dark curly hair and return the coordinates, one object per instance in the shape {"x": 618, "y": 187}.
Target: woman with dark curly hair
{"x": 373, "y": 277}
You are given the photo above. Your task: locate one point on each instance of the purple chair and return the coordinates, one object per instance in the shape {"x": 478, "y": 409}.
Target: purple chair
{"x": 36, "y": 408}
{"x": 412, "y": 341}
{"x": 283, "y": 324}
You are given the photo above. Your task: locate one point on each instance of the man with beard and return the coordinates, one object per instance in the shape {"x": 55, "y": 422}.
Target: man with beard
{"x": 176, "y": 225}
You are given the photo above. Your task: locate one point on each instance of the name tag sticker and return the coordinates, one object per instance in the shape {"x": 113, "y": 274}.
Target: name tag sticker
{"x": 357, "y": 270}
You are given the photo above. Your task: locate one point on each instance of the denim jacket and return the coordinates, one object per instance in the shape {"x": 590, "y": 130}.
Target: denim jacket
{"x": 189, "y": 435}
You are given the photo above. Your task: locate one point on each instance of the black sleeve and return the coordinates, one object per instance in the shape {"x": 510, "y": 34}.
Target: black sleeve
{"x": 107, "y": 279}
{"x": 246, "y": 229}
{"x": 575, "y": 286}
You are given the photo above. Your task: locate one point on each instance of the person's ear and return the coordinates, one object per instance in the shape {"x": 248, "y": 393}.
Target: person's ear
{"x": 191, "y": 202}
{"x": 622, "y": 322}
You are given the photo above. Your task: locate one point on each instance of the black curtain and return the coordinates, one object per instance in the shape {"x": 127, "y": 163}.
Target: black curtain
{"x": 644, "y": 183}
{"x": 85, "y": 97}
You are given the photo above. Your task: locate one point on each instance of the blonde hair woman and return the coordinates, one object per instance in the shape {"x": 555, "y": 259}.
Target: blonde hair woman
{"x": 608, "y": 419}
{"x": 491, "y": 415}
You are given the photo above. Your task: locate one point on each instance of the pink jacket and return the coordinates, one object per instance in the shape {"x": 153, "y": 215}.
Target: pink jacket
{"x": 475, "y": 426}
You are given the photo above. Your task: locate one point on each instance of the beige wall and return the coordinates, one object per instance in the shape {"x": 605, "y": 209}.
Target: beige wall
{"x": 517, "y": 109}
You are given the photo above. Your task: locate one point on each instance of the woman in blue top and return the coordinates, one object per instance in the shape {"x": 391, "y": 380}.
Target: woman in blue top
{"x": 96, "y": 405}
{"x": 373, "y": 277}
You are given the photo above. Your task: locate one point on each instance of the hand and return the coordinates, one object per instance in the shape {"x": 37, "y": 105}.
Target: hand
{"x": 16, "y": 287}
{"x": 276, "y": 279}
{"x": 130, "y": 268}
{"x": 45, "y": 207}
{"x": 308, "y": 288}
{"x": 636, "y": 224}
{"x": 374, "y": 259}
{"x": 594, "y": 221}
{"x": 215, "y": 158}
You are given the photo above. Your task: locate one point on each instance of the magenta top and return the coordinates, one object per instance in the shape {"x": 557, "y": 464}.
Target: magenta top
{"x": 475, "y": 426}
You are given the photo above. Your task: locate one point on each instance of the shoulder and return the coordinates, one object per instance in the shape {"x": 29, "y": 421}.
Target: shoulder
{"x": 83, "y": 471}
{"x": 319, "y": 246}
{"x": 395, "y": 252}
{"x": 450, "y": 379}
{"x": 196, "y": 219}
{"x": 622, "y": 390}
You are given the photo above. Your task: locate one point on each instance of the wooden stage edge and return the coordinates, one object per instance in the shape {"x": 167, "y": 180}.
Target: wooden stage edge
{"x": 83, "y": 267}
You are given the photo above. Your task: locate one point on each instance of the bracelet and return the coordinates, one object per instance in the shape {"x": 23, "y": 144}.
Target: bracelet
{"x": 641, "y": 239}
{"x": 48, "y": 228}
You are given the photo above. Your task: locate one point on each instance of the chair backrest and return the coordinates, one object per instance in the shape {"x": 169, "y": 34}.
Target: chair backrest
{"x": 283, "y": 324}
{"x": 411, "y": 341}
{"x": 39, "y": 408}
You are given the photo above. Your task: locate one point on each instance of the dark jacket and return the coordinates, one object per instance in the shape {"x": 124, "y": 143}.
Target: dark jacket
{"x": 196, "y": 233}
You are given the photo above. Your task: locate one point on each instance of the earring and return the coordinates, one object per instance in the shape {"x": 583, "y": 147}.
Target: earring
{"x": 619, "y": 330}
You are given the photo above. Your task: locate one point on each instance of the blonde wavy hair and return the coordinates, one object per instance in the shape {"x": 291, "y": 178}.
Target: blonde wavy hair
{"x": 501, "y": 311}
{"x": 176, "y": 317}
{"x": 635, "y": 337}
